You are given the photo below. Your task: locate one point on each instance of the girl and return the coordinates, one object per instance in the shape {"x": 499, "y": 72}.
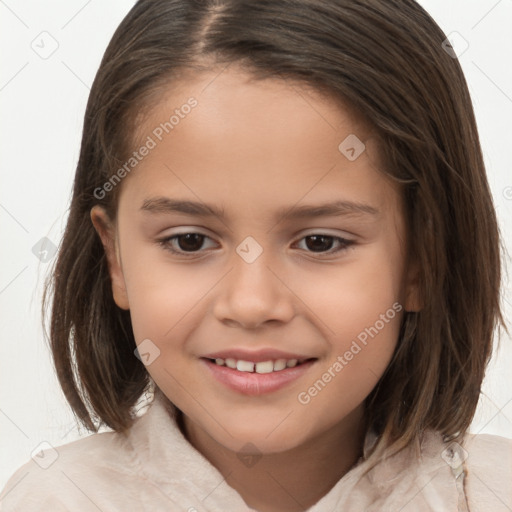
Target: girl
{"x": 282, "y": 236}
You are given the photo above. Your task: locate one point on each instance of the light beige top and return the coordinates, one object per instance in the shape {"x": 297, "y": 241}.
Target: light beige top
{"x": 155, "y": 469}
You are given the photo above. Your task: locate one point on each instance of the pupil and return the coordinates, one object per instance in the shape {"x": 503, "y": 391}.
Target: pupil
{"x": 318, "y": 247}
{"x": 190, "y": 241}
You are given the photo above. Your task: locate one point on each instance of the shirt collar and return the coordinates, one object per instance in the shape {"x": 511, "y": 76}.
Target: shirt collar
{"x": 168, "y": 459}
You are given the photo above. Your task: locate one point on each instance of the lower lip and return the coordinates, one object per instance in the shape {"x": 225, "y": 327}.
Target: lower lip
{"x": 252, "y": 383}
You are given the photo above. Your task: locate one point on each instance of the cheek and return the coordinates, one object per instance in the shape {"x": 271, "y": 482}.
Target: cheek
{"x": 166, "y": 305}
{"x": 366, "y": 299}
{"x": 360, "y": 308}
{"x": 365, "y": 333}
{"x": 353, "y": 295}
{"x": 162, "y": 293}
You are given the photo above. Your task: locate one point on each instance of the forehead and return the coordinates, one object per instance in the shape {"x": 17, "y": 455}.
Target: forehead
{"x": 270, "y": 142}
{"x": 231, "y": 104}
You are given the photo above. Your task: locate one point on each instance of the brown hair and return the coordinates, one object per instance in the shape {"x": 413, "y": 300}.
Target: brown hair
{"x": 383, "y": 58}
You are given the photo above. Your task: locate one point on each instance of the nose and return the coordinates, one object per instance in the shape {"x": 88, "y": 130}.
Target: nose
{"x": 254, "y": 293}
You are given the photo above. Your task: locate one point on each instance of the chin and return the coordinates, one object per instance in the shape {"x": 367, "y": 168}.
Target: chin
{"x": 266, "y": 438}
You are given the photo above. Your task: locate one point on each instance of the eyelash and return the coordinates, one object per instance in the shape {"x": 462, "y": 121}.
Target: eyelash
{"x": 165, "y": 243}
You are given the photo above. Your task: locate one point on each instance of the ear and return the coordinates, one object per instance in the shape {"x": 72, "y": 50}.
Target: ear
{"x": 413, "y": 301}
{"x": 105, "y": 229}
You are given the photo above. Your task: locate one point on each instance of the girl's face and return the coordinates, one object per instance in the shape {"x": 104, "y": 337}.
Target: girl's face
{"x": 272, "y": 268}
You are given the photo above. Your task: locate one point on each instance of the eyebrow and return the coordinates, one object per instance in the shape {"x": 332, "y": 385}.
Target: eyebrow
{"x": 158, "y": 205}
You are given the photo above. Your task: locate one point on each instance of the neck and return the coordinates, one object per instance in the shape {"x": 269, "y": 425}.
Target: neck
{"x": 289, "y": 481}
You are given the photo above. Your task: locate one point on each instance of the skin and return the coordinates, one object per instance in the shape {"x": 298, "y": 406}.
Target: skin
{"x": 253, "y": 147}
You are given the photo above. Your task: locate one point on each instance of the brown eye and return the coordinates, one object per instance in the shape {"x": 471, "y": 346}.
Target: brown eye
{"x": 190, "y": 241}
{"x": 319, "y": 243}
{"x": 184, "y": 243}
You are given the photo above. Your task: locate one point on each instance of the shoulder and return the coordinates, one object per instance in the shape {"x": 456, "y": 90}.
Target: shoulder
{"x": 489, "y": 471}
{"x": 434, "y": 474}
{"x": 71, "y": 476}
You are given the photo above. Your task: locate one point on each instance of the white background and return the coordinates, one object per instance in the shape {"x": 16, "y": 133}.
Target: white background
{"x": 42, "y": 104}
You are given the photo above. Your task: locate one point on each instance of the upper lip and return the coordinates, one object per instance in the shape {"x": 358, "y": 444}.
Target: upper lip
{"x": 255, "y": 356}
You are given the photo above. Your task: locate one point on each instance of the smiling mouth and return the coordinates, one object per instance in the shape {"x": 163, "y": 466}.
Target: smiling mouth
{"x": 261, "y": 367}
{"x": 253, "y": 378}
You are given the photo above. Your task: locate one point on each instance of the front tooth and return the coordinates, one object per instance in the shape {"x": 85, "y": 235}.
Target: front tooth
{"x": 265, "y": 367}
{"x": 231, "y": 363}
{"x": 244, "y": 366}
{"x": 291, "y": 363}
{"x": 219, "y": 361}
{"x": 279, "y": 364}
